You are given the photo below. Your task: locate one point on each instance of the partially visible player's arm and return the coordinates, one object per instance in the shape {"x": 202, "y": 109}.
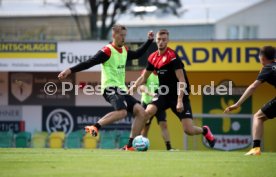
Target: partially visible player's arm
{"x": 262, "y": 77}
{"x": 181, "y": 79}
{"x": 181, "y": 82}
{"x": 141, "y": 50}
{"x": 140, "y": 81}
{"x": 181, "y": 85}
{"x": 99, "y": 57}
{"x": 144, "y": 89}
{"x": 247, "y": 93}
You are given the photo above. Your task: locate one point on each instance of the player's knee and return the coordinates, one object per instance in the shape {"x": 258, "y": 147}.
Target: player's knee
{"x": 147, "y": 117}
{"x": 259, "y": 115}
{"x": 255, "y": 116}
{"x": 140, "y": 112}
{"x": 163, "y": 125}
{"x": 151, "y": 110}
{"x": 150, "y": 113}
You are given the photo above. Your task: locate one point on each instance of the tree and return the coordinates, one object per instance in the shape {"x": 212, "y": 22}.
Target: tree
{"x": 119, "y": 7}
{"x": 71, "y": 6}
{"x": 112, "y": 9}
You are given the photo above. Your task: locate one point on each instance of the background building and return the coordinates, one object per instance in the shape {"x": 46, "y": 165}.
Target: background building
{"x": 253, "y": 22}
{"x": 197, "y": 20}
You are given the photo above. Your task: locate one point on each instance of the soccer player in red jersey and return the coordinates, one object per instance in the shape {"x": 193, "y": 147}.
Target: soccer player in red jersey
{"x": 172, "y": 76}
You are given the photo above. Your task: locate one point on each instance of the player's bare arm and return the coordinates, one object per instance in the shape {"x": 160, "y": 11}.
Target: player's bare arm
{"x": 248, "y": 92}
{"x": 144, "y": 89}
{"x": 140, "y": 81}
{"x": 180, "y": 76}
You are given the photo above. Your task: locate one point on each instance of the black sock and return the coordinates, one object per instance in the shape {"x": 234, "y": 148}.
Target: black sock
{"x": 256, "y": 143}
{"x": 168, "y": 145}
{"x": 129, "y": 144}
{"x": 97, "y": 125}
{"x": 205, "y": 131}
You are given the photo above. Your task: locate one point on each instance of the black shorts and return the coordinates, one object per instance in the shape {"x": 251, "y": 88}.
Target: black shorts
{"x": 269, "y": 109}
{"x": 160, "y": 115}
{"x": 119, "y": 99}
{"x": 163, "y": 102}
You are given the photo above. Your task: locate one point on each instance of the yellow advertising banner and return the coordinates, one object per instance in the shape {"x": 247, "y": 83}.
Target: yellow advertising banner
{"x": 29, "y": 50}
{"x": 220, "y": 55}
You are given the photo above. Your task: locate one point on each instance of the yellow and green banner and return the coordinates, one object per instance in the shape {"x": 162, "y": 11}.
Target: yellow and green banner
{"x": 220, "y": 55}
{"x": 28, "y": 50}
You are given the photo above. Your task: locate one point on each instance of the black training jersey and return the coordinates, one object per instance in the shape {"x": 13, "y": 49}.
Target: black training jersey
{"x": 165, "y": 66}
{"x": 104, "y": 54}
{"x": 268, "y": 74}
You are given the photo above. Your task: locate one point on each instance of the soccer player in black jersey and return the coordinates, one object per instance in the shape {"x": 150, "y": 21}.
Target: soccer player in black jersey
{"x": 268, "y": 111}
{"x": 172, "y": 76}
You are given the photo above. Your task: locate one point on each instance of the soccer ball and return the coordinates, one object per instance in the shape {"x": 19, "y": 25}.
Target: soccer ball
{"x": 141, "y": 143}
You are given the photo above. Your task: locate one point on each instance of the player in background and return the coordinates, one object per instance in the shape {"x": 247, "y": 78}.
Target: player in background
{"x": 148, "y": 91}
{"x": 173, "y": 82}
{"x": 268, "y": 111}
{"x": 113, "y": 59}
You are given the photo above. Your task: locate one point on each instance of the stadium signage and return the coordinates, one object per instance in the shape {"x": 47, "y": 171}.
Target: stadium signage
{"x": 27, "y": 88}
{"x": 68, "y": 119}
{"x": 232, "y": 133}
{"x": 72, "y": 58}
{"x": 28, "y": 50}
{"x": 196, "y": 55}
{"x": 216, "y": 55}
{"x": 221, "y": 55}
{"x": 10, "y": 113}
{"x": 72, "y": 53}
{"x": 59, "y": 120}
{"x": 28, "y": 56}
{"x": 13, "y": 126}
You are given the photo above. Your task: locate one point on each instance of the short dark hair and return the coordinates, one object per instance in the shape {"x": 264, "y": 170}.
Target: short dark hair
{"x": 118, "y": 27}
{"x": 268, "y": 52}
{"x": 163, "y": 31}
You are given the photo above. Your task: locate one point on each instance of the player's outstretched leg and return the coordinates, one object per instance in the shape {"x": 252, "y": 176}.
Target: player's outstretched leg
{"x": 254, "y": 151}
{"x": 107, "y": 119}
{"x": 209, "y": 136}
{"x": 137, "y": 125}
{"x": 191, "y": 130}
{"x": 257, "y": 130}
{"x": 93, "y": 130}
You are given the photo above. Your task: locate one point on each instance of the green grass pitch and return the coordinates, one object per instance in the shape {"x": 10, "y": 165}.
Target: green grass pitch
{"x": 116, "y": 163}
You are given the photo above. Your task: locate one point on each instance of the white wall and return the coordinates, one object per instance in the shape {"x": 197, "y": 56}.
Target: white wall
{"x": 32, "y": 115}
{"x": 261, "y": 15}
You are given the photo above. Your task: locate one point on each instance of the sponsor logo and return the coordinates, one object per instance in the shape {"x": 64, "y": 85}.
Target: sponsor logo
{"x": 71, "y": 58}
{"x": 21, "y": 86}
{"x": 59, "y": 120}
{"x": 231, "y": 132}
